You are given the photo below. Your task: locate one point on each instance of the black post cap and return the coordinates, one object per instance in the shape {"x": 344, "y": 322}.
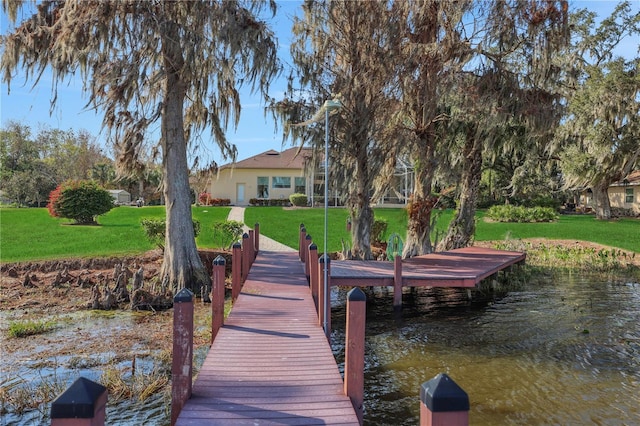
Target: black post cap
{"x": 245, "y": 235}
{"x": 325, "y": 258}
{"x": 303, "y": 229}
{"x": 184, "y": 295}
{"x": 78, "y": 401}
{"x": 237, "y": 245}
{"x": 308, "y": 237}
{"x": 313, "y": 246}
{"x": 301, "y": 225}
{"x": 442, "y": 394}
{"x": 356, "y": 295}
{"x": 219, "y": 260}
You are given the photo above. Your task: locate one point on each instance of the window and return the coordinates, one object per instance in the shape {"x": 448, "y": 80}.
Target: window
{"x": 263, "y": 187}
{"x": 280, "y": 182}
{"x": 301, "y": 185}
{"x": 628, "y": 195}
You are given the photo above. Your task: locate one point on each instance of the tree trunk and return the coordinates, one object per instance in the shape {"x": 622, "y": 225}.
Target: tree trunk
{"x": 463, "y": 225}
{"x": 361, "y": 222}
{"x": 601, "y": 201}
{"x": 361, "y": 212}
{"x": 182, "y": 266}
{"x": 422, "y": 202}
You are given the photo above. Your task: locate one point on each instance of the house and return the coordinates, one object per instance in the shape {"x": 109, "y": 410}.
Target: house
{"x": 271, "y": 175}
{"x": 275, "y": 175}
{"x": 624, "y": 195}
{"x": 120, "y": 196}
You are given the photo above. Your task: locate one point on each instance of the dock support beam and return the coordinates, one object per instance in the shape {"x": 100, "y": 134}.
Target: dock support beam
{"x": 397, "y": 284}
{"x": 217, "y": 297}
{"x": 182, "y": 364}
{"x": 313, "y": 272}
{"x": 443, "y": 403}
{"x": 256, "y": 230}
{"x": 82, "y": 404}
{"x": 307, "y": 244}
{"x": 236, "y": 271}
{"x": 324, "y": 297}
{"x": 246, "y": 264}
{"x": 301, "y": 237}
{"x": 354, "y": 350}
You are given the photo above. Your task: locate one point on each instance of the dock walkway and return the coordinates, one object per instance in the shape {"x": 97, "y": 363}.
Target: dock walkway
{"x": 271, "y": 362}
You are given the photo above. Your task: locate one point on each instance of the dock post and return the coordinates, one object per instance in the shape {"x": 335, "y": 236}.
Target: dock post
{"x": 182, "y": 357}
{"x": 82, "y": 404}
{"x": 397, "y": 283}
{"x": 252, "y": 246}
{"x": 307, "y": 244}
{"x": 256, "y": 229}
{"x": 443, "y": 402}
{"x": 236, "y": 271}
{"x": 245, "y": 256}
{"x": 354, "y": 350}
{"x": 217, "y": 302}
{"x": 324, "y": 298}
{"x": 313, "y": 272}
{"x": 301, "y": 237}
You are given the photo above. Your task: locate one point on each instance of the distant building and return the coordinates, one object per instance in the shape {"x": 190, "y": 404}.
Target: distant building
{"x": 120, "y": 196}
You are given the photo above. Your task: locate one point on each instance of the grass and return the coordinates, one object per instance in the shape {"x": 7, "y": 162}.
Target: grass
{"x": 282, "y": 225}
{"x": 29, "y": 328}
{"x": 31, "y": 234}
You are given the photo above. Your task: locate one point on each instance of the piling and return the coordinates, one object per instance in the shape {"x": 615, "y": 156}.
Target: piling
{"x": 354, "y": 350}
{"x": 182, "y": 363}
{"x": 246, "y": 264}
{"x": 256, "y": 229}
{"x": 217, "y": 296}
{"x": 82, "y": 404}
{"x": 324, "y": 295}
{"x": 397, "y": 283}
{"x": 313, "y": 272}
{"x": 236, "y": 271}
{"x": 301, "y": 237}
{"x": 443, "y": 403}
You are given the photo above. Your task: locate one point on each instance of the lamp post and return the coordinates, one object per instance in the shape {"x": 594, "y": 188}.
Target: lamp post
{"x": 328, "y": 106}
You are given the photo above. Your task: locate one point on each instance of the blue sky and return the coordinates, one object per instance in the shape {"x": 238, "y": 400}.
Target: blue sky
{"x": 255, "y": 133}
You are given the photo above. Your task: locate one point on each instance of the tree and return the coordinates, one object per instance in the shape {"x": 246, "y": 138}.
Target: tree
{"x": 602, "y": 131}
{"x": 179, "y": 63}
{"x": 81, "y": 201}
{"x": 341, "y": 49}
{"x": 598, "y": 141}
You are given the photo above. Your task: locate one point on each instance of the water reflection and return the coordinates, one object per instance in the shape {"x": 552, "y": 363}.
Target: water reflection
{"x": 562, "y": 350}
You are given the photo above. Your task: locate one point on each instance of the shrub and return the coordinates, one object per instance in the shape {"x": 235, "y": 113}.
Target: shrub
{"x": 227, "y": 232}
{"x": 299, "y": 200}
{"x": 378, "y": 230}
{"x": 510, "y": 213}
{"x": 81, "y": 201}
{"x": 155, "y": 230}
{"x": 205, "y": 199}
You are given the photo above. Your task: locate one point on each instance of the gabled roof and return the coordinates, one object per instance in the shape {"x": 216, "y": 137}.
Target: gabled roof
{"x": 292, "y": 158}
{"x": 632, "y": 178}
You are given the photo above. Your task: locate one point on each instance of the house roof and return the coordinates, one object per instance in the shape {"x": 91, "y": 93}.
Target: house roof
{"x": 632, "y": 178}
{"x": 292, "y": 158}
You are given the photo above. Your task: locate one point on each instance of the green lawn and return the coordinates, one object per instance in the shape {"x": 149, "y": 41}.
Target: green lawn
{"x": 282, "y": 225}
{"x": 31, "y": 234}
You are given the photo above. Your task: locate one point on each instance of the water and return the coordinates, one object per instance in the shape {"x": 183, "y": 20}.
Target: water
{"x": 560, "y": 351}
{"x": 563, "y": 350}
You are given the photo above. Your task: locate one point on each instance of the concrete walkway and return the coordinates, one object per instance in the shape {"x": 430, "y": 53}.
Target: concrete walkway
{"x": 266, "y": 244}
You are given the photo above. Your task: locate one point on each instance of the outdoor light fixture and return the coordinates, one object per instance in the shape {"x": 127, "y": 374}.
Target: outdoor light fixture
{"x": 328, "y": 106}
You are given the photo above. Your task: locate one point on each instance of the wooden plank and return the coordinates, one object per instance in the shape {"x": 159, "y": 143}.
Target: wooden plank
{"x": 270, "y": 363}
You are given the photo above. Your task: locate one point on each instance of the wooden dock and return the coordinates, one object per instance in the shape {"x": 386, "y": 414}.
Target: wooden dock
{"x": 464, "y": 267}
{"x": 270, "y": 363}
